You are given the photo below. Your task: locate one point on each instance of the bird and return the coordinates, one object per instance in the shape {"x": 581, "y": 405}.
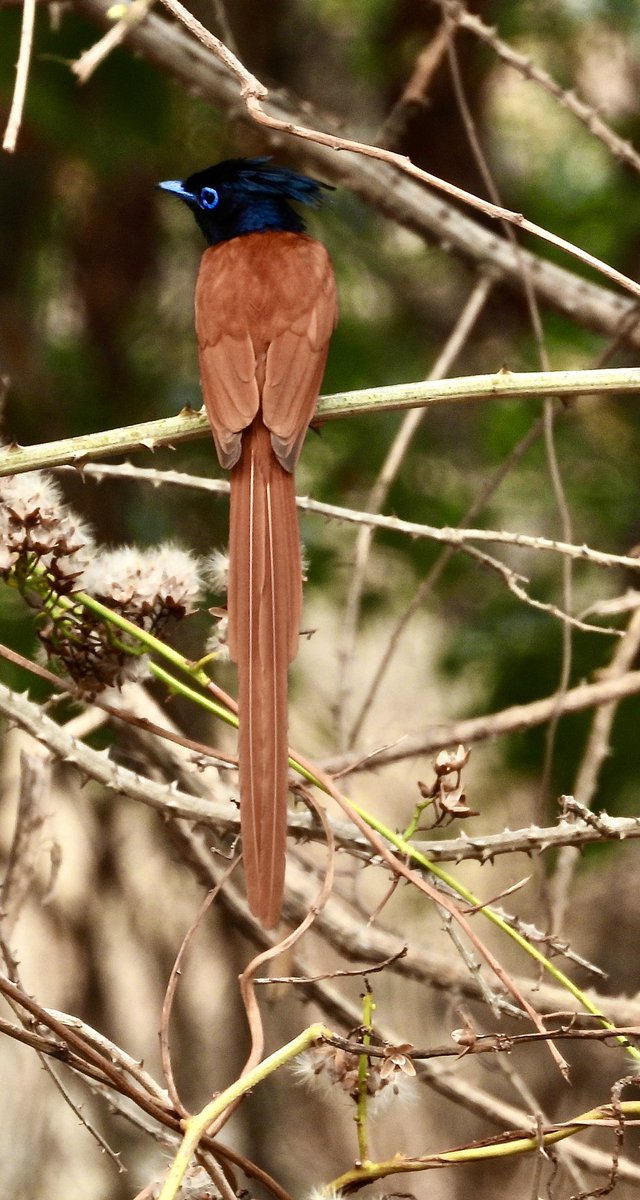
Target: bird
{"x": 265, "y": 309}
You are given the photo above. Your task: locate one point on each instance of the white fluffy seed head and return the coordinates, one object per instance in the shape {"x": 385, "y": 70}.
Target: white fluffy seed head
{"x": 217, "y": 645}
{"x": 35, "y": 522}
{"x": 216, "y": 571}
{"x": 322, "y": 1193}
{"x": 145, "y": 583}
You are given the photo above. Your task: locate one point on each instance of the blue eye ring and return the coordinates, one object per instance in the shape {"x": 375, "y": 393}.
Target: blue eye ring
{"x": 209, "y": 197}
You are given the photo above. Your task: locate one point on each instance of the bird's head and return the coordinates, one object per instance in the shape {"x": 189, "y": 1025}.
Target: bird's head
{"x": 246, "y": 195}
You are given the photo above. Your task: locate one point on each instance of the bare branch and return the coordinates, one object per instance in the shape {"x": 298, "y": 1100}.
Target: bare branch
{"x": 529, "y": 70}
{"x": 379, "y": 492}
{"x": 479, "y": 729}
{"x": 254, "y": 93}
{"x": 385, "y": 188}
{"x": 171, "y": 801}
{"x": 14, "y": 121}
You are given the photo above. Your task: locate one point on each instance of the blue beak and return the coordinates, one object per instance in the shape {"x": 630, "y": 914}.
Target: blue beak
{"x": 177, "y": 188}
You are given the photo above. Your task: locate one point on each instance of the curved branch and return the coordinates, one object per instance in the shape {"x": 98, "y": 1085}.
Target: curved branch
{"x": 384, "y": 186}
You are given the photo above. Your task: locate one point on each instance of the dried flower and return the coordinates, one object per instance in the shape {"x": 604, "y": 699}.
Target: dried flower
{"x": 93, "y": 654}
{"x": 446, "y": 793}
{"x": 44, "y": 544}
{"x": 328, "y": 1068}
{"x": 451, "y": 760}
{"x": 396, "y": 1058}
{"x": 148, "y": 587}
{"x": 48, "y": 553}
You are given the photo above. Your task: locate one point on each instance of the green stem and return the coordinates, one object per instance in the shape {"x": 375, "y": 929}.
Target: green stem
{"x": 196, "y": 1126}
{"x": 183, "y": 689}
{"x": 368, "y": 1007}
{"x": 148, "y": 640}
{"x": 60, "y": 604}
{"x": 399, "y": 1164}
{"x": 414, "y": 855}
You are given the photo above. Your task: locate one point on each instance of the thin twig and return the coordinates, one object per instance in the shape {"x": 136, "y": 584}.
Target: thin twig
{"x": 368, "y": 969}
{"x": 112, "y": 1052}
{"x": 116, "y": 1076}
{"x": 77, "y": 1109}
{"x": 548, "y": 421}
{"x": 378, "y": 495}
{"x": 514, "y": 583}
{"x": 529, "y": 70}
{"x": 441, "y": 563}
{"x": 416, "y": 90}
{"x": 254, "y": 93}
{"x": 400, "y": 868}
{"x": 90, "y": 59}
{"x": 20, "y": 871}
{"x": 402, "y": 200}
{"x": 594, "y": 757}
{"x": 566, "y": 526}
{"x": 247, "y": 979}
{"x": 14, "y": 121}
{"x": 174, "y": 976}
{"x": 476, "y": 729}
{"x": 454, "y": 536}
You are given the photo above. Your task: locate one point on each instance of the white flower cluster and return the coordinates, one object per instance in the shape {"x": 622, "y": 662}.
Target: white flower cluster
{"x": 48, "y": 553}
{"x": 149, "y": 587}
{"x": 36, "y": 526}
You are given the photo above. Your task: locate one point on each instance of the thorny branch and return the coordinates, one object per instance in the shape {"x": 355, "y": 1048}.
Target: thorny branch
{"x": 503, "y": 384}
{"x": 455, "y": 537}
{"x": 72, "y": 1041}
{"x": 169, "y": 800}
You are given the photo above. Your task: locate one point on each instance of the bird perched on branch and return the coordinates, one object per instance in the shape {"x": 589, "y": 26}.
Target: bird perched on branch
{"x": 265, "y": 308}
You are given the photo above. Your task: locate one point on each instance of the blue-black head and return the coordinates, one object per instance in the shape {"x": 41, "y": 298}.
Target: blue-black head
{"x": 246, "y": 195}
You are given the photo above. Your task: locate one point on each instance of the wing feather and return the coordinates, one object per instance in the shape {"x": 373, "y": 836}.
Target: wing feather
{"x": 265, "y": 309}
{"x": 297, "y": 353}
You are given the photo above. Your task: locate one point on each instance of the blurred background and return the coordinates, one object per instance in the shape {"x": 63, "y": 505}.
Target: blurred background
{"x": 97, "y": 271}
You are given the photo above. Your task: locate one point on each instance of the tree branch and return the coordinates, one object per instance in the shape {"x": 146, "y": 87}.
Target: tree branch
{"x": 383, "y": 186}
{"x": 503, "y": 385}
